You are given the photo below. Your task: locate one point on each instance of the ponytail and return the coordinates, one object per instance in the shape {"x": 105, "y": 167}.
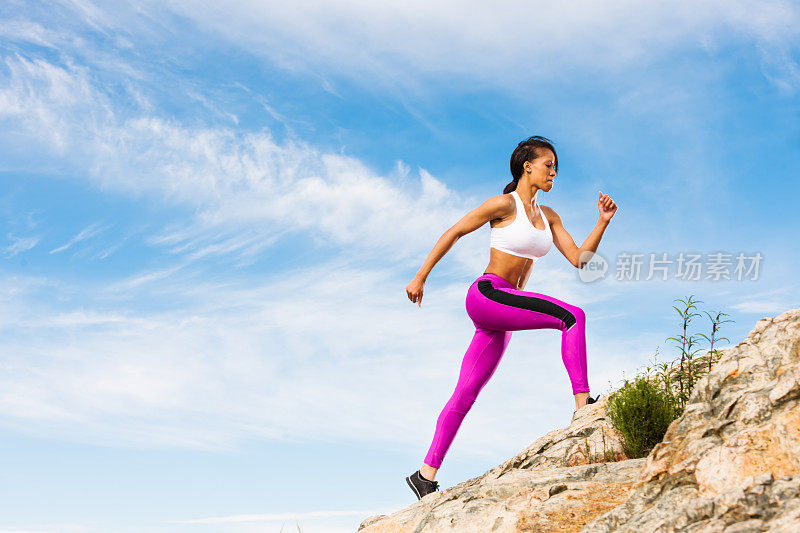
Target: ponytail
{"x": 511, "y": 186}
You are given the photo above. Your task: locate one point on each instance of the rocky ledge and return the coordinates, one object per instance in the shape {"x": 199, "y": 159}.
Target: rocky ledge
{"x": 730, "y": 463}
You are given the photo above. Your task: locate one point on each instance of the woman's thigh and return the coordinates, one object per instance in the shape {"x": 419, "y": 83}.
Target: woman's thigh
{"x": 503, "y": 308}
{"x": 481, "y": 360}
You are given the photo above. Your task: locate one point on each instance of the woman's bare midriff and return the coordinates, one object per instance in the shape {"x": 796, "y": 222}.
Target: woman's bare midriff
{"x": 515, "y": 270}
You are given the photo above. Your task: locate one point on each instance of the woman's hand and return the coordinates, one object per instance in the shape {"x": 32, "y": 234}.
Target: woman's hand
{"x": 414, "y": 290}
{"x": 606, "y": 206}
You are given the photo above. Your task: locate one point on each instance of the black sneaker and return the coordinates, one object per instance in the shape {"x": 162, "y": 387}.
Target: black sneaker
{"x": 420, "y": 485}
{"x": 588, "y": 401}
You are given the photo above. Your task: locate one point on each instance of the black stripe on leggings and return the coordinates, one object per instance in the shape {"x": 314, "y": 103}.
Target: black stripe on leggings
{"x": 527, "y": 302}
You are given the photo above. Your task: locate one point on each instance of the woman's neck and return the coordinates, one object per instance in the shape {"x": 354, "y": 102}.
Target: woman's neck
{"x": 532, "y": 200}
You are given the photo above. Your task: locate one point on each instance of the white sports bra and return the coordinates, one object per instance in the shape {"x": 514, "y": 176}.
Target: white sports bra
{"x": 521, "y": 237}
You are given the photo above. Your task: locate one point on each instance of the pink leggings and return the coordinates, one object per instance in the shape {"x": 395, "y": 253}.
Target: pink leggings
{"x": 497, "y": 308}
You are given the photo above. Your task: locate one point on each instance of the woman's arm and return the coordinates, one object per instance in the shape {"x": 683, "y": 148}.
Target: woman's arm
{"x": 494, "y": 207}
{"x": 563, "y": 240}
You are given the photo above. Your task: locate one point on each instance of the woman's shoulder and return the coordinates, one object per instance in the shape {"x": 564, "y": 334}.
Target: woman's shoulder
{"x": 499, "y": 206}
{"x": 550, "y": 212}
{"x": 505, "y": 200}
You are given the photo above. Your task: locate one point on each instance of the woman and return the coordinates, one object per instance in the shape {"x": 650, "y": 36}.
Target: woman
{"x": 521, "y": 232}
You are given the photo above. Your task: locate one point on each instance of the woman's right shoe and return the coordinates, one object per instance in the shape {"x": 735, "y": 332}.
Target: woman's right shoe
{"x": 420, "y": 485}
{"x": 588, "y": 401}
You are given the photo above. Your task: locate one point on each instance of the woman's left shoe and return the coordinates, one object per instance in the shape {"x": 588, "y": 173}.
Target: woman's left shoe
{"x": 588, "y": 401}
{"x": 420, "y": 485}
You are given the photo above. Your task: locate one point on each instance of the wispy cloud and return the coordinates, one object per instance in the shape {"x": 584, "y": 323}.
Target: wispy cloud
{"x": 26, "y": 31}
{"x": 403, "y": 43}
{"x": 318, "y": 342}
{"x": 236, "y": 180}
{"x": 222, "y": 358}
{"x": 222, "y": 361}
{"x": 767, "y": 303}
{"x": 771, "y": 307}
{"x": 20, "y": 244}
{"x": 84, "y": 234}
{"x": 398, "y": 47}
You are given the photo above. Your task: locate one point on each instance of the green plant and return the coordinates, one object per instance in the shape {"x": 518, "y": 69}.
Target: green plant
{"x": 665, "y": 372}
{"x": 685, "y": 382}
{"x": 608, "y": 455}
{"x": 641, "y": 411}
{"x": 715, "y": 323}
{"x": 690, "y": 370}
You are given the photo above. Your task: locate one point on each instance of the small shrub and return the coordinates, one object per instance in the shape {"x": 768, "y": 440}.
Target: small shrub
{"x": 641, "y": 411}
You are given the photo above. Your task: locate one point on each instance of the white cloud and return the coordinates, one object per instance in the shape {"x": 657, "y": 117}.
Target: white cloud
{"x": 283, "y": 358}
{"x": 26, "y": 31}
{"x": 772, "y": 307}
{"x": 766, "y": 303}
{"x": 235, "y": 180}
{"x": 84, "y": 234}
{"x": 223, "y": 359}
{"x": 399, "y": 48}
{"x": 20, "y": 244}
{"x": 509, "y": 44}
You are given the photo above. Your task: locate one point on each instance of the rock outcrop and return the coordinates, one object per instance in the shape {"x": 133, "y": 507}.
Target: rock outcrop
{"x": 557, "y": 484}
{"x": 729, "y": 463}
{"x": 553, "y": 499}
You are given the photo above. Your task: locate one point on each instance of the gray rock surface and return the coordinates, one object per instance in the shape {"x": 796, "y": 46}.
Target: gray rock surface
{"x": 558, "y": 483}
{"x": 730, "y": 463}
{"x": 552, "y": 499}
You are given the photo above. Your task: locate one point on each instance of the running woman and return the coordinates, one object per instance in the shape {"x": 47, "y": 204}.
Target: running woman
{"x": 521, "y": 232}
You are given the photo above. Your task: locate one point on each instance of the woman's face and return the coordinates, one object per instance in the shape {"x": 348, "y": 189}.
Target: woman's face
{"x": 542, "y": 169}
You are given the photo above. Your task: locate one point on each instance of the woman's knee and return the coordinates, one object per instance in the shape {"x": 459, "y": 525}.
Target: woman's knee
{"x": 577, "y": 318}
{"x": 463, "y": 400}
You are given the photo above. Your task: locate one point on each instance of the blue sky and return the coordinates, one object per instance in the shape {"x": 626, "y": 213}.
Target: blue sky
{"x": 210, "y": 216}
